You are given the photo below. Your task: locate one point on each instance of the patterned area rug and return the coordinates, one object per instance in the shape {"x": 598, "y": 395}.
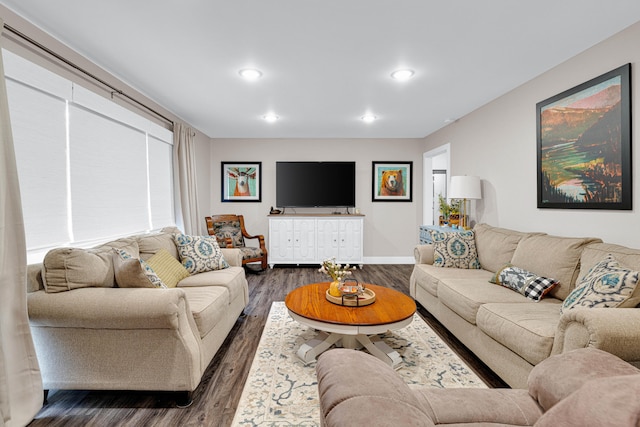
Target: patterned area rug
{"x": 282, "y": 391}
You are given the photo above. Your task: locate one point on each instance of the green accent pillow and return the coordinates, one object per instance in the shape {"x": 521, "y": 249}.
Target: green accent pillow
{"x": 199, "y": 253}
{"x": 168, "y": 269}
{"x": 455, "y": 249}
{"x": 607, "y": 284}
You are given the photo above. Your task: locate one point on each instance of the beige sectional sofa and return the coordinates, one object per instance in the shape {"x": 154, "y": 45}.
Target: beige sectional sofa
{"x": 584, "y": 387}
{"x": 509, "y": 332}
{"x": 91, "y": 334}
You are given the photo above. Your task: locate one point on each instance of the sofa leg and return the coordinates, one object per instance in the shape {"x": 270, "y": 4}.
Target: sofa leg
{"x": 183, "y": 399}
{"x": 45, "y": 400}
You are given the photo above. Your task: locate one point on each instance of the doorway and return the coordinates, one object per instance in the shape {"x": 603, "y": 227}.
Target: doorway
{"x": 435, "y": 181}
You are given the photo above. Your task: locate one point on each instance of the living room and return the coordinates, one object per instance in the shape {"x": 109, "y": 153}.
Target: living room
{"x": 496, "y": 142}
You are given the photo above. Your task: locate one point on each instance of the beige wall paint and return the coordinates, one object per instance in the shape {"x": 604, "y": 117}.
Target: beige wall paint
{"x": 498, "y": 143}
{"x": 390, "y": 229}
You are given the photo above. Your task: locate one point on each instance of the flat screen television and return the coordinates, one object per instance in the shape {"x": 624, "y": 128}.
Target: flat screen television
{"x": 315, "y": 184}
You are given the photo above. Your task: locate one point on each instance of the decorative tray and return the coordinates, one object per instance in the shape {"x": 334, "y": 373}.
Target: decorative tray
{"x": 353, "y": 300}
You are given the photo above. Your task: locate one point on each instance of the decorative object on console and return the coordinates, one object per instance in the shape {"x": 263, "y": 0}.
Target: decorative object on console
{"x": 241, "y": 181}
{"x": 392, "y": 181}
{"x": 465, "y": 188}
{"x": 584, "y": 145}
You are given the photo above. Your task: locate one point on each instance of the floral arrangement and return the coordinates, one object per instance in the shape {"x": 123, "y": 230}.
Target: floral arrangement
{"x": 337, "y": 272}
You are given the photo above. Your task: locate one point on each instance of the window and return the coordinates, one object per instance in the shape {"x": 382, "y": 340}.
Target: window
{"x": 89, "y": 170}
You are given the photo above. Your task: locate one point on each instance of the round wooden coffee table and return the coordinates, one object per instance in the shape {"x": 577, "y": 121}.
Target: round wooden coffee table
{"x": 350, "y": 327}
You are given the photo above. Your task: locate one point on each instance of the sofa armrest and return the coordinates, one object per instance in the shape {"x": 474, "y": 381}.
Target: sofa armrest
{"x": 356, "y": 388}
{"x": 109, "y": 308}
{"x": 423, "y": 254}
{"x": 233, "y": 256}
{"x": 614, "y": 330}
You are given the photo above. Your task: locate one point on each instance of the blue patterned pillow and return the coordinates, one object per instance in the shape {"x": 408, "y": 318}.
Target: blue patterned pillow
{"x": 524, "y": 282}
{"x": 607, "y": 284}
{"x": 200, "y": 253}
{"x": 133, "y": 275}
{"x": 455, "y": 249}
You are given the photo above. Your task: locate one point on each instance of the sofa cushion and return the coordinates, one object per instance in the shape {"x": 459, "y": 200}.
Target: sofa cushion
{"x": 558, "y": 376}
{"x": 232, "y": 278}
{"x": 496, "y": 245}
{"x": 65, "y": 269}
{"x": 199, "y": 254}
{"x": 208, "y": 306}
{"x": 466, "y": 296}
{"x": 428, "y": 277}
{"x": 524, "y": 282}
{"x": 527, "y": 329}
{"x": 612, "y": 401}
{"x": 473, "y": 406}
{"x": 169, "y": 269}
{"x": 595, "y": 252}
{"x": 454, "y": 249}
{"x": 606, "y": 285}
{"x": 151, "y": 243}
{"x": 552, "y": 256}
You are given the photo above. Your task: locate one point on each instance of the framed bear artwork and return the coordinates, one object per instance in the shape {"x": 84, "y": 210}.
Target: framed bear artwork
{"x": 392, "y": 181}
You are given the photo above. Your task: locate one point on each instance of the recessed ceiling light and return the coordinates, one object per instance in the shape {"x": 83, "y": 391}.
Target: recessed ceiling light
{"x": 402, "y": 75}
{"x": 250, "y": 73}
{"x": 270, "y": 118}
{"x": 368, "y": 118}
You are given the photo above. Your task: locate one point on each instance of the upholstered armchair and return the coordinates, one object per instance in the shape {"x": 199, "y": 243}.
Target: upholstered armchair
{"x": 230, "y": 232}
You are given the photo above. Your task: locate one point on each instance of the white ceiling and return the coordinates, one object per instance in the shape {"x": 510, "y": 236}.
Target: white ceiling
{"x": 326, "y": 63}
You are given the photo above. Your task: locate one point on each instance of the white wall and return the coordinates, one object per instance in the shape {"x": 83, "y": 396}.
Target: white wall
{"x": 498, "y": 143}
{"x": 390, "y": 229}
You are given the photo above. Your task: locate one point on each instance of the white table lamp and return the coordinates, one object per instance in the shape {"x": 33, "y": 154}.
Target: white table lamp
{"x": 465, "y": 188}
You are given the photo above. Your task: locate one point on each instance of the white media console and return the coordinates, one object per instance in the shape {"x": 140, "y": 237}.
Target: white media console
{"x": 310, "y": 239}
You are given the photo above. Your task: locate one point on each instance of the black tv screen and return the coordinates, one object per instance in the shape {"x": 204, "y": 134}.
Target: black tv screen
{"x": 315, "y": 184}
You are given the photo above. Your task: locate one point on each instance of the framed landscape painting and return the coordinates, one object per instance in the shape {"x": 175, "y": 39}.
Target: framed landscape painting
{"x": 392, "y": 181}
{"x": 241, "y": 181}
{"x": 584, "y": 145}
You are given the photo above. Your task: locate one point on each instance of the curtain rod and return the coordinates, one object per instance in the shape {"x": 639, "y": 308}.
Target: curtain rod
{"x": 85, "y": 72}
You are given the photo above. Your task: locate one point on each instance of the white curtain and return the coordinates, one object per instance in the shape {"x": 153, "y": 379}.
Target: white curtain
{"x": 21, "y": 391}
{"x": 184, "y": 168}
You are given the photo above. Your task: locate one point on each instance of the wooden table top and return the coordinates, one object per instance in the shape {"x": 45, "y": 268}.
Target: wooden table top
{"x": 390, "y": 306}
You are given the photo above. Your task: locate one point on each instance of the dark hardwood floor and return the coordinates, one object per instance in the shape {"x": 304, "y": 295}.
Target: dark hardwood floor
{"x": 215, "y": 399}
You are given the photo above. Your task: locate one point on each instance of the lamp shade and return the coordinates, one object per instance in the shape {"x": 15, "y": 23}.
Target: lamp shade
{"x": 465, "y": 187}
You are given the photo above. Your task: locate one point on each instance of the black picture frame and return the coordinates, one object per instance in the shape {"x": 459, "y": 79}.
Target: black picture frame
{"x": 392, "y": 181}
{"x": 584, "y": 145}
{"x": 241, "y": 181}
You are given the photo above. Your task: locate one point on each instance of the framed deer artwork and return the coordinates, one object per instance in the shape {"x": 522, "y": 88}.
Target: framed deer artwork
{"x": 241, "y": 181}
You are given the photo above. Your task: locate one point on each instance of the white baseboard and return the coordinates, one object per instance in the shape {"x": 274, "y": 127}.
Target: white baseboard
{"x": 389, "y": 260}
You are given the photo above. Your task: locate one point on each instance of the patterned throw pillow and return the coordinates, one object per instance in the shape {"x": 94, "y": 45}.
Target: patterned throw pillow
{"x": 134, "y": 273}
{"x": 455, "y": 249}
{"x": 524, "y": 282}
{"x": 607, "y": 284}
{"x": 169, "y": 269}
{"x": 199, "y": 253}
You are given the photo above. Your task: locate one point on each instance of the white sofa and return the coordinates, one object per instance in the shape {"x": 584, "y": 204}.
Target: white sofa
{"x": 112, "y": 338}
{"x": 509, "y": 332}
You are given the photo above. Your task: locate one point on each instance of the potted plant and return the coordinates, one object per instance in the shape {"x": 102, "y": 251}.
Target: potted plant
{"x": 450, "y": 211}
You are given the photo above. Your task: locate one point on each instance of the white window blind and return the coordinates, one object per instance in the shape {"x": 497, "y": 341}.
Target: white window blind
{"x": 90, "y": 170}
{"x": 39, "y": 131}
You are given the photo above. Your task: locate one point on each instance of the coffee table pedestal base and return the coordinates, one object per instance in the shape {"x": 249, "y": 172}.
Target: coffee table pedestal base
{"x": 323, "y": 341}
